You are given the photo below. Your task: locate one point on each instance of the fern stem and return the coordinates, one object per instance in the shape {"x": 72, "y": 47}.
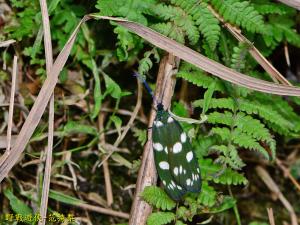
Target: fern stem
{"x": 235, "y": 208}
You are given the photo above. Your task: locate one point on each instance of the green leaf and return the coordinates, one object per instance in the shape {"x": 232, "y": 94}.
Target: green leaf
{"x": 160, "y": 218}
{"x": 60, "y": 197}
{"x": 258, "y": 223}
{"x": 97, "y": 90}
{"x": 208, "y": 96}
{"x": 112, "y": 87}
{"x": 74, "y": 127}
{"x": 158, "y": 198}
{"x": 17, "y": 205}
{"x": 141, "y": 135}
{"x": 117, "y": 122}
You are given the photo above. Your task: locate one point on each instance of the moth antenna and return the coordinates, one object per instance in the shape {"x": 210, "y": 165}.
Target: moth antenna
{"x": 148, "y": 88}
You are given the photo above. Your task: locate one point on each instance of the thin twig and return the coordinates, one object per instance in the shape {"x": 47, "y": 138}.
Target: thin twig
{"x": 266, "y": 178}
{"x": 49, "y": 63}
{"x": 271, "y": 216}
{"x": 11, "y": 103}
{"x": 108, "y": 187}
{"x": 287, "y": 173}
{"x": 103, "y": 210}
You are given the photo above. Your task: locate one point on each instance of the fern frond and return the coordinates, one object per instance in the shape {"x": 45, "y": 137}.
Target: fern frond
{"x": 270, "y": 8}
{"x": 230, "y": 156}
{"x": 265, "y": 111}
{"x": 170, "y": 30}
{"x": 204, "y": 19}
{"x": 238, "y": 57}
{"x": 140, "y": 134}
{"x": 178, "y": 222}
{"x": 203, "y": 143}
{"x": 160, "y": 218}
{"x": 145, "y": 63}
{"x": 290, "y": 34}
{"x": 110, "y": 8}
{"x": 220, "y": 103}
{"x": 208, "y": 195}
{"x": 219, "y": 174}
{"x": 253, "y": 127}
{"x": 158, "y": 198}
{"x": 223, "y": 132}
{"x": 200, "y": 79}
{"x": 246, "y": 141}
{"x": 180, "y": 18}
{"x": 241, "y": 14}
{"x": 208, "y": 24}
{"x": 225, "y": 118}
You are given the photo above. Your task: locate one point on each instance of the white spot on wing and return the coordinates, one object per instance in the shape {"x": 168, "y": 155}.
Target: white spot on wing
{"x": 166, "y": 150}
{"x": 180, "y": 169}
{"x": 175, "y": 171}
{"x": 158, "y": 147}
{"x": 158, "y": 124}
{"x": 173, "y": 183}
{"x": 164, "y": 182}
{"x": 170, "y": 119}
{"x": 164, "y": 165}
{"x": 188, "y": 182}
{"x": 177, "y": 147}
{"x": 180, "y": 188}
{"x": 183, "y": 137}
{"x": 184, "y": 171}
{"x": 198, "y": 170}
{"x": 189, "y": 156}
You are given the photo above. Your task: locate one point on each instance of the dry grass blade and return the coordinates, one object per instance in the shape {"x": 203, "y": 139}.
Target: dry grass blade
{"x": 11, "y": 103}
{"x": 49, "y": 62}
{"x": 266, "y": 178}
{"x": 7, "y": 43}
{"x": 293, "y": 3}
{"x": 208, "y": 65}
{"x": 103, "y": 210}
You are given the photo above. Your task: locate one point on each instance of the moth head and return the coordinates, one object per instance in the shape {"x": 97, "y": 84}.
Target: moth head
{"x": 160, "y": 107}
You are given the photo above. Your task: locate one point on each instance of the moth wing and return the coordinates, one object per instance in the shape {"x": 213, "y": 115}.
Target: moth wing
{"x": 182, "y": 160}
{"x": 160, "y": 142}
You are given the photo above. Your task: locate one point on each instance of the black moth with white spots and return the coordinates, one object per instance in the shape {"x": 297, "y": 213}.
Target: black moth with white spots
{"x": 175, "y": 159}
